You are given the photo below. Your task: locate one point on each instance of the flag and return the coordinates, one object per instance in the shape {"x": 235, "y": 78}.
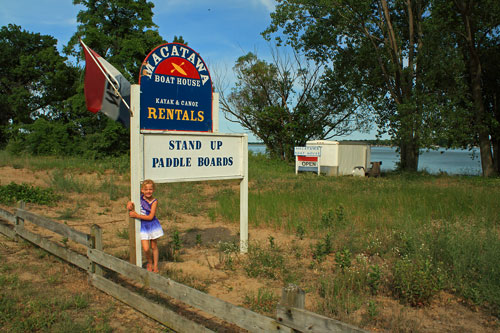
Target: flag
{"x": 106, "y": 89}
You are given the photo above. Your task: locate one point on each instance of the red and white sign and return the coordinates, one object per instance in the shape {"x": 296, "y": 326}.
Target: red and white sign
{"x": 307, "y": 158}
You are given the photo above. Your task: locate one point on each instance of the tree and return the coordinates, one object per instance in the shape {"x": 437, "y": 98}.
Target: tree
{"x": 376, "y": 48}
{"x": 34, "y": 77}
{"x": 282, "y": 103}
{"x": 121, "y": 31}
{"x": 491, "y": 92}
{"x": 474, "y": 27}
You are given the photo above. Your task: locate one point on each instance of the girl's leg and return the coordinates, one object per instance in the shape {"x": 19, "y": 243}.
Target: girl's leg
{"x": 156, "y": 255}
{"x": 145, "y": 247}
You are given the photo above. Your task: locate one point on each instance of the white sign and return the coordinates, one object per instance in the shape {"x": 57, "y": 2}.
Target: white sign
{"x": 307, "y": 158}
{"x": 307, "y": 151}
{"x": 174, "y": 157}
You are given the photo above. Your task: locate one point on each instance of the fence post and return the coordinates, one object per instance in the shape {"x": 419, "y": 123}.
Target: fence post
{"x": 292, "y": 296}
{"x": 96, "y": 243}
{"x": 19, "y": 221}
{"x": 131, "y": 239}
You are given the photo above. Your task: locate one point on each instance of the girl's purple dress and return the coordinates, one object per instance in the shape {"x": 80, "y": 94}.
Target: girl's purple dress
{"x": 149, "y": 229}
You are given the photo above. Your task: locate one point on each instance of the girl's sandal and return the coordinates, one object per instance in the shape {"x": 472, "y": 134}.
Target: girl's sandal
{"x": 156, "y": 270}
{"x": 149, "y": 267}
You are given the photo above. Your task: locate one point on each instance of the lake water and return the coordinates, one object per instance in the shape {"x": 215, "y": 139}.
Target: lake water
{"x": 451, "y": 161}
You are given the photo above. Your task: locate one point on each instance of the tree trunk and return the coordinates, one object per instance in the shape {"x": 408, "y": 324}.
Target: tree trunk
{"x": 409, "y": 155}
{"x": 480, "y": 115}
{"x": 496, "y": 155}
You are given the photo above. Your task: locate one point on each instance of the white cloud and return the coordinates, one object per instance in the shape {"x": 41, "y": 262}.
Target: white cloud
{"x": 269, "y": 4}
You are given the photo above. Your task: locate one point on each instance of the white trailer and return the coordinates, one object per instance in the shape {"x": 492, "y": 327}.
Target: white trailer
{"x": 341, "y": 158}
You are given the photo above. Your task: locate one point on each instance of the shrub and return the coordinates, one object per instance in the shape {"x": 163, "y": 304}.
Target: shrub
{"x": 27, "y": 193}
{"x": 265, "y": 263}
{"x": 414, "y": 280}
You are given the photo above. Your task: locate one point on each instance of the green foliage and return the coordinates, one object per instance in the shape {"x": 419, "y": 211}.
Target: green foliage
{"x": 340, "y": 294}
{"x": 173, "y": 251}
{"x": 14, "y": 192}
{"x": 414, "y": 280}
{"x": 120, "y": 164}
{"x": 323, "y": 247}
{"x": 343, "y": 259}
{"x": 282, "y": 103}
{"x": 268, "y": 263}
{"x": 35, "y": 79}
{"x": 122, "y": 32}
{"x": 468, "y": 255}
{"x": 44, "y": 137}
{"x": 374, "y": 279}
{"x": 111, "y": 140}
{"x": 198, "y": 240}
{"x": 227, "y": 252}
{"x": 407, "y": 67}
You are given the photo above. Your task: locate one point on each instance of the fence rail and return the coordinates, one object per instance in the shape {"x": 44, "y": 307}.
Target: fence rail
{"x": 291, "y": 317}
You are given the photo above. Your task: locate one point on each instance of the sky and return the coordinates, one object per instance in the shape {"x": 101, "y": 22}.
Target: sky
{"x": 219, "y": 30}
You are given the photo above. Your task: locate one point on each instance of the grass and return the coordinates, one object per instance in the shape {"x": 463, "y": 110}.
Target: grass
{"x": 408, "y": 236}
{"x": 435, "y": 232}
{"x": 42, "y": 306}
{"x": 120, "y": 164}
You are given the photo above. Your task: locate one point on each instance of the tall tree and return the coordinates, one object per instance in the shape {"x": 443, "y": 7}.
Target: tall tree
{"x": 285, "y": 104}
{"x": 34, "y": 77}
{"x": 474, "y": 26}
{"x": 121, "y": 31}
{"x": 377, "y": 48}
{"x": 491, "y": 91}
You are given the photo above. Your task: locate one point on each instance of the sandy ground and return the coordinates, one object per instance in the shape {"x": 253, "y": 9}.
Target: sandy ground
{"x": 202, "y": 265}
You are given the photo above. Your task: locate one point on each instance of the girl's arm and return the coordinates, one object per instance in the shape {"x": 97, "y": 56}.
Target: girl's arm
{"x": 149, "y": 217}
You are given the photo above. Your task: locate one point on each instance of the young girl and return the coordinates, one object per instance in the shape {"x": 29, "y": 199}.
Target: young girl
{"x": 150, "y": 226}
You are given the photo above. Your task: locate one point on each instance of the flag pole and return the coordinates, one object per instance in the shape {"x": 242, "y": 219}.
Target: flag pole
{"x": 106, "y": 74}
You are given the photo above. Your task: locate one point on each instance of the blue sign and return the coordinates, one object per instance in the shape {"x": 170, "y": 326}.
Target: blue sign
{"x": 176, "y": 90}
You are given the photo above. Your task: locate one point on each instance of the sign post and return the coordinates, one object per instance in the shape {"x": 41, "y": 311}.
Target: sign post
{"x": 174, "y": 130}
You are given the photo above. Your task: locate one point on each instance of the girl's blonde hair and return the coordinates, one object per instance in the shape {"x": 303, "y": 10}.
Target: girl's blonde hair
{"x": 148, "y": 182}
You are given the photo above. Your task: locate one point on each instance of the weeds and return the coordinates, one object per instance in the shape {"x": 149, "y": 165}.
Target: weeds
{"x": 113, "y": 191}
{"x": 343, "y": 259}
{"x": 414, "y": 280}
{"x": 69, "y": 213}
{"x": 263, "y": 302}
{"x": 123, "y": 233}
{"x": 227, "y": 252}
{"x": 374, "y": 279}
{"x": 198, "y": 240}
{"x": 62, "y": 182}
{"x": 27, "y": 193}
{"x": 323, "y": 248}
{"x": 267, "y": 263}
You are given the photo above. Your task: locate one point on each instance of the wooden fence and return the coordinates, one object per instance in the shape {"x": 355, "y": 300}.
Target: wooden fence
{"x": 291, "y": 316}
